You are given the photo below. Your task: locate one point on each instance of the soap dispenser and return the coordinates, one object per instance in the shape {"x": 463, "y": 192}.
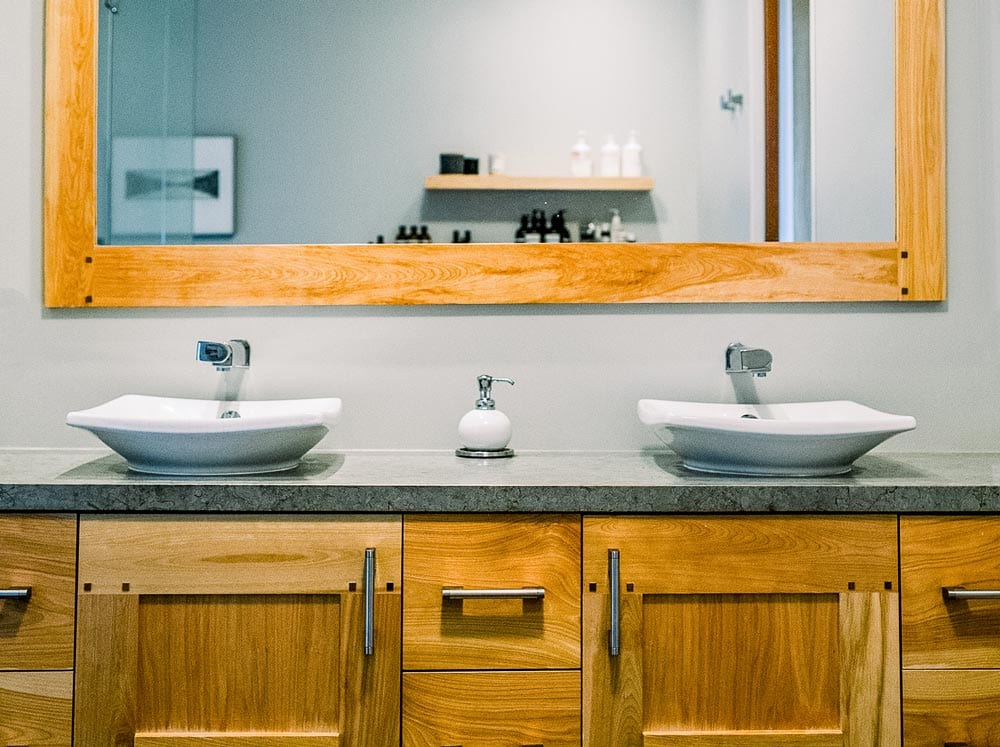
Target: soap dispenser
{"x": 484, "y": 432}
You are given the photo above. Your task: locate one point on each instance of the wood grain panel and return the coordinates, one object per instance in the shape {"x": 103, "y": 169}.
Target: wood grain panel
{"x": 746, "y": 739}
{"x": 951, "y": 707}
{"x": 938, "y": 552}
{"x": 491, "y": 709}
{"x": 869, "y": 666}
{"x": 260, "y": 663}
{"x": 352, "y": 274}
{"x": 490, "y": 552}
{"x": 370, "y": 694}
{"x": 612, "y": 685}
{"x": 36, "y": 708}
{"x": 107, "y": 661}
{"x": 505, "y": 182}
{"x": 920, "y": 149}
{"x": 39, "y": 550}
{"x": 231, "y": 739}
{"x": 744, "y": 554}
{"x": 171, "y": 554}
{"x": 714, "y": 662}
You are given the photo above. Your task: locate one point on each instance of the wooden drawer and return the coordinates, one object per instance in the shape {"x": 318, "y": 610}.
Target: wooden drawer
{"x": 951, "y": 707}
{"x": 491, "y": 553}
{"x": 491, "y": 709}
{"x": 938, "y": 553}
{"x": 36, "y": 708}
{"x": 39, "y": 551}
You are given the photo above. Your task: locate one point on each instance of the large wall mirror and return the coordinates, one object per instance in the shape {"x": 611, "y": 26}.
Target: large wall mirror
{"x": 150, "y": 107}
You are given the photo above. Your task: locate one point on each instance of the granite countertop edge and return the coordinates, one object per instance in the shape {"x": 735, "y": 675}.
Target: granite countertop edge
{"x": 648, "y": 481}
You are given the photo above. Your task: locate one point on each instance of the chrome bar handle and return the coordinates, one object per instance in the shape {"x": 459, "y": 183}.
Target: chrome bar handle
{"x": 369, "y": 601}
{"x": 614, "y": 583}
{"x": 457, "y": 592}
{"x": 957, "y": 592}
{"x": 22, "y": 593}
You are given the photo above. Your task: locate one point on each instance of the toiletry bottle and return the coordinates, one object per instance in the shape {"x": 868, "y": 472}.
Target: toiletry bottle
{"x": 413, "y": 236}
{"x": 522, "y": 231}
{"x": 534, "y": 234}
{"x": 552, "y": 234}
{"x": 617, "y": 232}
{"x": 611, "y": 158}
{"x": 632, "y": 156}
{"x": 401, "y": 235}
{"x": 424, "y": 237}
{"x": 580, "y": 162}
{"x": 485, "y": 431}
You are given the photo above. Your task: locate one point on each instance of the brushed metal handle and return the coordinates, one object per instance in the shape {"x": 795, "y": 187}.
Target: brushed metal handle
{"x": 458, "y": 592}
{"x": 22, "y": 593}
{"x": 957, "y": 592}
{"x": 369, "y": 601}
{"x": 614, "y": 583}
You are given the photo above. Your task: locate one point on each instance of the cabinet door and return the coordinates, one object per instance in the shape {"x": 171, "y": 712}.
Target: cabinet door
{"x": 951, "y": 707}
{"x": 238, "y": 631}
{"x": 749, "y": 630}
{"x": 491, "y": 709}
{"x": 520, "y": 576}
{"x": 38, "y": 553}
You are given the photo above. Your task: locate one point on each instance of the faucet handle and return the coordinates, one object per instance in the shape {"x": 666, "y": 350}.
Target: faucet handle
{"x": 225, "y": 355}
{"x": 741, "y": 359}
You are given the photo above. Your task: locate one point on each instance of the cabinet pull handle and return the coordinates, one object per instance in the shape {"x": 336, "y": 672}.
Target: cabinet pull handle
{"x": 369, "y": 601}
{"x": 957, "y": 592}
{"x": 18, "y": 592}
{"x": 458, "y": 592}
{"x": 614, "y": 584}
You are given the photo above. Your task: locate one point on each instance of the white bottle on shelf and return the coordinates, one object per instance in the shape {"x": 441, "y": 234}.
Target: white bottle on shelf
{"x": 632, "y": 156}
{"x": 580, "y": 162}
{"x": 611, "y": 158}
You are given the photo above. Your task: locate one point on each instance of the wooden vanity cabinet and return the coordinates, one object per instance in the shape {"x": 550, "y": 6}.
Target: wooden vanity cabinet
{"x": 491, "y": 630}
{"x": 951, "y": 630}
{"x": 37, "y": 585}
{"x": 749, "y": 630}
{"x": 246, "y": 630}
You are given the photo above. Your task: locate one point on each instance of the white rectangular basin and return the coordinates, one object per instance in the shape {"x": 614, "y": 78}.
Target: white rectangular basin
{"x": 793, "y": 439}
{"x": 175, "y": 436}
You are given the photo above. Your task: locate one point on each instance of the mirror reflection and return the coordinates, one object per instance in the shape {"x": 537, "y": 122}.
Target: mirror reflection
{"x": 320, "y": 121}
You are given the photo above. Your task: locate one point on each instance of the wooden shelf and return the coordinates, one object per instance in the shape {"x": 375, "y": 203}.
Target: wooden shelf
{"x": 539, "y": 183}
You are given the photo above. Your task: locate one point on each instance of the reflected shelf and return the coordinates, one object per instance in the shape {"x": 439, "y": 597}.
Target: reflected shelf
{"x": 539, "y": 183}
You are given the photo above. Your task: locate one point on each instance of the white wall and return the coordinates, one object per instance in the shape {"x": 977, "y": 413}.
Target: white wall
{"x": 407, "y": 374}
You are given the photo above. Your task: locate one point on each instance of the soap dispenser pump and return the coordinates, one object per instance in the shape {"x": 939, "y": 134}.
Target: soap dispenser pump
{"x": 484, "y": 431}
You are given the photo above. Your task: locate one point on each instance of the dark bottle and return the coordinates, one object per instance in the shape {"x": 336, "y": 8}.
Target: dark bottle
{"x": 467, "y": 237}
{"x": 413, "y": 235}
{"x": 456, "y": 238}
{"x": 401, "y": 235}
{"x": 521, "y": 231}
{"x": 424, "y": 237}
{"x": 534, "y": 233}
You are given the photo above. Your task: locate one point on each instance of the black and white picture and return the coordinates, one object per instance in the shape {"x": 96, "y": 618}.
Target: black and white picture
{"x": 172, "y": 186}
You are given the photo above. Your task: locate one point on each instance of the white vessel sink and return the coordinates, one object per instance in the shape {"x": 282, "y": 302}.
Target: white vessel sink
{"x": 172, "y": 436}
{"x": 795, "y": 439}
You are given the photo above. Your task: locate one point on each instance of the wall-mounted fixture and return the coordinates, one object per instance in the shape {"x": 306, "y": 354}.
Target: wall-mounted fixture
{"x": 731, "y": 101}
{"x": 225, "y": 355}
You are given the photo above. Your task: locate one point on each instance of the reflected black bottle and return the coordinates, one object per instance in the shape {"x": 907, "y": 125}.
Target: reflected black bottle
{"x": 522, "y": 231}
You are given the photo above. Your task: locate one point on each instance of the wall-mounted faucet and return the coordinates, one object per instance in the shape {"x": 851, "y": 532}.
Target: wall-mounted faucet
{"x": 225, "y": 355}
{"x": 741, "y": 359}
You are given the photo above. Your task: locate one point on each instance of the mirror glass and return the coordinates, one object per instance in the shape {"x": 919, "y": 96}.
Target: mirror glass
{"x": 318, "y": 121}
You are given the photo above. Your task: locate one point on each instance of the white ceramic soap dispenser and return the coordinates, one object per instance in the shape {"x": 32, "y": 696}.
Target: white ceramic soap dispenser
{"x": 484, "y": 432}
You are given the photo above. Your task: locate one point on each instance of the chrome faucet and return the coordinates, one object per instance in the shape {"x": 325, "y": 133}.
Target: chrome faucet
{"x": 741, "y": 359}
{"x": 225, "y": 355}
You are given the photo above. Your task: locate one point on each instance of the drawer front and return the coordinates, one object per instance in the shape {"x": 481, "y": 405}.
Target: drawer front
{"x": 455, "y": 555}
{"x": 491, "y": 709}
{"x": 950, "y": 553}
{"x": 39, "y": 551}
{"x": 951, "y": 707}
{"x": 36, "y": 708}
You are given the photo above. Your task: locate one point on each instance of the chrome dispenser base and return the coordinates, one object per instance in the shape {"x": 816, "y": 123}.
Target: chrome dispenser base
{"x": 484, "y": 453}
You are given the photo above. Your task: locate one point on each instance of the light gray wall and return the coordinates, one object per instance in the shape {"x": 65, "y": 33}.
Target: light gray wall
{"x": 407, "y": 374}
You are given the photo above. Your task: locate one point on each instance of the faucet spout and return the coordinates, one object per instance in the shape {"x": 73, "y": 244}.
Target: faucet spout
{"x": 225, "y": 355}
{"x": 741, "y": 359}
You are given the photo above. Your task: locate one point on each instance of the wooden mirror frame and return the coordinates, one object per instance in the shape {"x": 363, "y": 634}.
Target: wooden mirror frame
{"x": 81, "y": 273}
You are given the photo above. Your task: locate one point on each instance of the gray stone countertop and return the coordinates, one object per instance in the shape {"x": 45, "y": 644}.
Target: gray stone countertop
{"x": 437, "y": 481}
